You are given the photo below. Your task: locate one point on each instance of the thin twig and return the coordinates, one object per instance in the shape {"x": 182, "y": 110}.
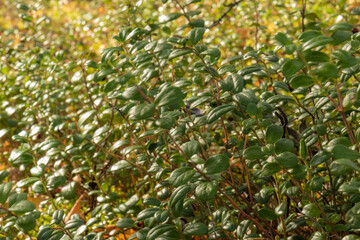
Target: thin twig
{"x": 230, "y": 7}
{"x": 303, "y": 11}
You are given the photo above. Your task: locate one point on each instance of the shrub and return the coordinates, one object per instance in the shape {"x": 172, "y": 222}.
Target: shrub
{"x": 165, "y": 138}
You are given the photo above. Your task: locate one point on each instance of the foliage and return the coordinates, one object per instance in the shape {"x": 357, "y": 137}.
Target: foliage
{"x": 182, "y": 128}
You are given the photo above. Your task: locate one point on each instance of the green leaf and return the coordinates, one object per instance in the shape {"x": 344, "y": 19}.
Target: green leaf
{"x": 147, "y": 213}
{"x": 125, "y": 223}
{"x": 73, "y": 223}
{"x": 148, "y": 74}
{"x": 225, "y": 69}
{"x": 355, "y": 11}
{"x": 5, "y": 190}
{"x": 142, "y": 111}
{"x": 312, "y": 210}
{"x": 178, "y": 53}
{"x": 178, "y": 194}
{"x": 16, "y": 197}
{"x": 291, "y": 67}
{"x": 213, "y": 52}
{"x": 270, "y": 169}
{"x": 287, "y": 159}
{"x": 206, "y": 191}
{"x": 68, "y": 191}
{"x": 38, "y": 171}
{"x": 130, "y": 202}
{"x": 317, "y": 236}
{"x": 45, "y": 233}
{"x": 341, "y": 151}
{"x": 188, "y": 2}
{"x": 107, "y": 54}
{"x": 57, "y": 216}
{"x": 319, "y": 41}
{"x": 199, "y": 101}
{"x": 238, "y": 81}
{"x": 316, "y": 183}
{"x": 344, "y": 58}
{"x": 3, "y": 175}
{"x": 38, "y": 187}
{"x": 348, "y": 163}
{"x": 301, "y": 81}
{"x": 253, "y": 152}
{"x": 279, "y": 98}
{"x": 218, "y": 112}
{"x": 308, "y": 35}
{"x": 27, "y": 181}
{"x": 282, "y": 39}
{"x": 320, "y": 157}
{"x": 35, "y": 130}
{"x": 133, "y": 93}
{"x": 26, "y": 223}
{"x": 151, "y": 201}
{"x": 340, "y": 37}
{"x": 22, "y": 206}
{"x": 267, "y": 214}
{"x": 191, "y": 148}
{"x": 169, "y": 96}
{"x": 196, "y": 34}
{"x": 341, "y": 26}
{"x": 20, "y": 156}
{"x": 216, "y": 164}
{"x": 133, "y": 34}
{"x": 250, "y": 69}
{"x": 172, "y": 16}
{"x": 232, "y": 59}
{"x": 197, "y": 23}
{"x": 91, "y": 64}
{"x": 284, "y": 145}
{"x": 99, "y": 76}
{"x": 163, "y": 231}
{"x": 195, "y": 229}
{"x": 281, "y": 209}
{"x": 316, "y": 57}
{"x": 85, "y": 116}
{"x": 165, "y": 122}
{"x": 274, "y": 133}
{"x": 22, "y": 6}
{"x": 56, "y": 235}
{"x": 181, "y": 176}
{"x": 303, "y": 149}
{"x": 352, "y": 236}
{"x": 55, "y": 181}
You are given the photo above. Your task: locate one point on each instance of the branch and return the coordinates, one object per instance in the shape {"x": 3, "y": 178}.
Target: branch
{"x": 230, "y": 7}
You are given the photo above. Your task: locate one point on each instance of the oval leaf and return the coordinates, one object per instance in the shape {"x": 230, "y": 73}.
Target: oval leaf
{"x": 217, "y": 163}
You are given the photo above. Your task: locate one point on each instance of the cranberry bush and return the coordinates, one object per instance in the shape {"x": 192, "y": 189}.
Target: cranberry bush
{"x": 173, "y": 137}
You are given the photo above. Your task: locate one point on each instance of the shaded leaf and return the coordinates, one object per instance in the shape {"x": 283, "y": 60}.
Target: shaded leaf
{"x": 216, "y": 164}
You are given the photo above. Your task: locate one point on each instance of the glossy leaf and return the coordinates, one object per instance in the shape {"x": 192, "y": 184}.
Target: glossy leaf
{"x": 216, "y": 164}
{"x": 5, "y": 189}
{"x": 206, "y": 191}
{"x": 274, "y": 133}
{"x": 196, "y": 34}
{"x": 22, "y": 206}
{"x": 301, "y": 81}
{"x": 181, "y": 176}
{"x": 218, "y": 112}
{"x": 319, "y": 41}
{"x": 291, "y": 67}
{"x": 195, "y": 229}
{"x": 142, "y": 111}
{"x": 169, "y": 96}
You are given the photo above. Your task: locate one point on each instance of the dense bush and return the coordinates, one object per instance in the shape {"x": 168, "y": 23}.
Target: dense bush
{"x": 179, "y": 130}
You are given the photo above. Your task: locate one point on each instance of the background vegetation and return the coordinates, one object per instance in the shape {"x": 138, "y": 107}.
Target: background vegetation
{"x": 179, "y": 119}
